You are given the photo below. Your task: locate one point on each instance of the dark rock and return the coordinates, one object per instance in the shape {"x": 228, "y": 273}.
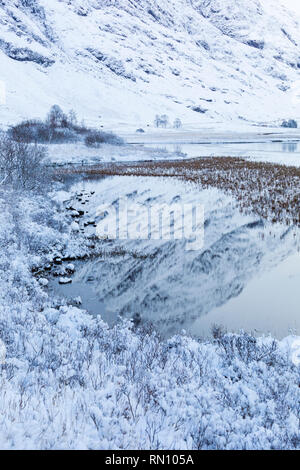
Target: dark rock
{"x": 199, "y": 109}
{"x": 256, "y": 43}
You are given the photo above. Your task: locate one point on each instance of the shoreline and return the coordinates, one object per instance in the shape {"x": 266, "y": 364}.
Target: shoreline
{"x": 270, "y": 190}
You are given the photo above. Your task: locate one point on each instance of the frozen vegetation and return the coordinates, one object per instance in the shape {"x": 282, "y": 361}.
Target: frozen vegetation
{"x": 69, "y": 381}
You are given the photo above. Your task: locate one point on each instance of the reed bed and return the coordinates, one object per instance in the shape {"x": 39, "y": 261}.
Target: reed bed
{"x": 272, "y": 191}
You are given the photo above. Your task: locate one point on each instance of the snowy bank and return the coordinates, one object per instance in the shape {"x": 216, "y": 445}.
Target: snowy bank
{"x": 70, "y": 382}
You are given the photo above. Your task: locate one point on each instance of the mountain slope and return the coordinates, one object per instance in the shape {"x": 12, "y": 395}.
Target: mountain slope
{"x": 125, "y": 61}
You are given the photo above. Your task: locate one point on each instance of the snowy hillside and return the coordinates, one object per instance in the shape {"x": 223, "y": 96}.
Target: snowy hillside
{"x": 121, "y": 62}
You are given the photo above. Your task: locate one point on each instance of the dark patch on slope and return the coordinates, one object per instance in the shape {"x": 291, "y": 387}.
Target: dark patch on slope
{"x": 23, "y": 54}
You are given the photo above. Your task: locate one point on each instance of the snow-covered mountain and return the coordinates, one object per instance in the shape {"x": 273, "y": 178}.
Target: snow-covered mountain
{"x": 124, "y": 61}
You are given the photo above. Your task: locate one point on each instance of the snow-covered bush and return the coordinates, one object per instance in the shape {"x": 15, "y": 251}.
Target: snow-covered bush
{"x": 96, "y": 138}
{"x": 290, "y": 123}
{"x": 59, "y": 128}
{"x": 43, "y": 132}
{"x": 21, "y": 165}
{"x": 30, "y": 131}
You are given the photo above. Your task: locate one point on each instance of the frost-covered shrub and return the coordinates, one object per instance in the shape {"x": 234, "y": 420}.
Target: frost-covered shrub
{"x": 30, "y": 131}
{"x": 42, "y": 132}
{"x": 291, "y": 123}
{"x": 96, "y": 138}
{"x": 245, "y": 347}
{"x": 21, "y": 165}
{"x": 59, "y": 128}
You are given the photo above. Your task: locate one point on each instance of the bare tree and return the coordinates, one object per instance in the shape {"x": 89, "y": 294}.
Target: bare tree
{"x": 164, "y": 120}
{"x": 177, "y": 123}
{"x": 72, "y": 118}
{"x": 21, "y": 164}
{"x": 55, "y": 116}
{"x": 161, "y": 121}
{"x": 157, "y": 121}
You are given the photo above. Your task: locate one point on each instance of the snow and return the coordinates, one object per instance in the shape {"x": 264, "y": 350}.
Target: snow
{"x": 292, "y": 6}
{"x": 257, "y": 143}
{"x": 127, "y": 66}
{"x": 80, "y": 154}
{"x": 271, "y": 145}
{"x": 70, "y": 382}
{"x": 65, "y": 280}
